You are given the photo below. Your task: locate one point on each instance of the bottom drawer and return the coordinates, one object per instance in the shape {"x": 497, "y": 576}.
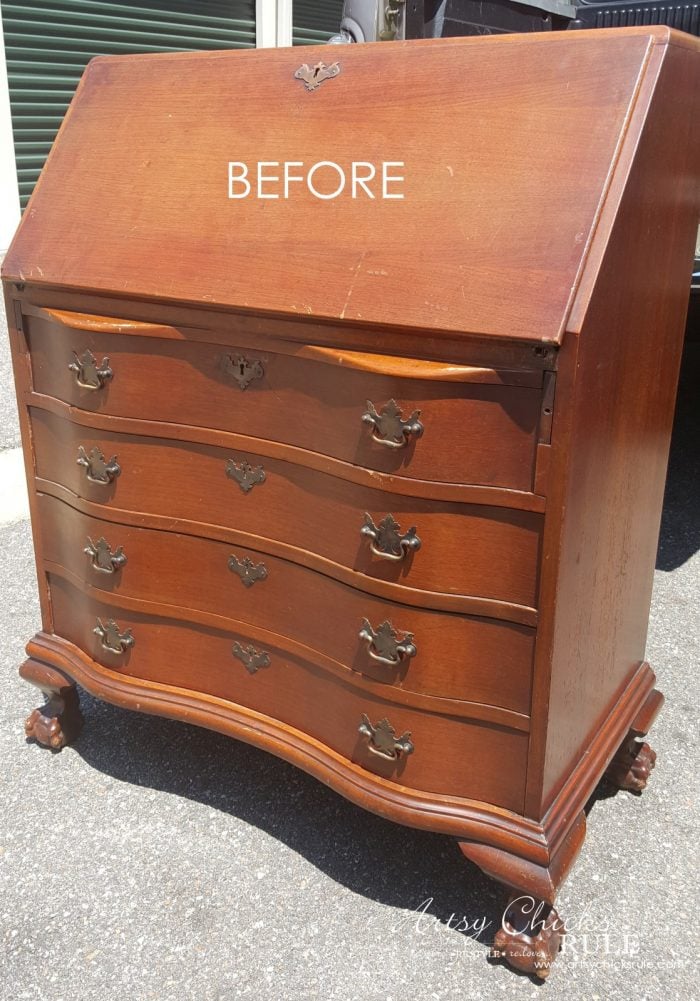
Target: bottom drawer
{"x": 450, "y": 756}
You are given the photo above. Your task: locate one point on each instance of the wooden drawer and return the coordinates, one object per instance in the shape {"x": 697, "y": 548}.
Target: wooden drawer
{"x": 316, "y": 518}
{"x": 480, "y": 425}
{"x": 461, "y": 657}
{"x": 454, "y": 757}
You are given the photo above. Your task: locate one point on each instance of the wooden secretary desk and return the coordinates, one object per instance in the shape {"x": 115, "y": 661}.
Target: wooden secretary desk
{"x": 346, "y": 379}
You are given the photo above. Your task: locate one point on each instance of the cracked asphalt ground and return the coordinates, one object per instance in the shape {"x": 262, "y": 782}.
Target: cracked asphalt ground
{"x": 153, "y": 860}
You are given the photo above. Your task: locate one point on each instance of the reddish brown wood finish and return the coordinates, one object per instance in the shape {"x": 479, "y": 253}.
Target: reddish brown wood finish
{"x": 632, "y": 765}
{"x": 459, "y": 657}
{"x": 611, "y": 434}
{"x": 528, "y": 297}
{"x": 477, "y": 430}
{"x": 60, "y": 721}
{"x": 503, "y": 185}
{"x": 453, "y": 757}
{"x": 310, "y": 512}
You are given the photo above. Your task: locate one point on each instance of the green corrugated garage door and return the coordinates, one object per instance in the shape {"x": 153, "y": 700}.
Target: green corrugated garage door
{"x": 315, "y": 21}
{"x": 48, "y": 43}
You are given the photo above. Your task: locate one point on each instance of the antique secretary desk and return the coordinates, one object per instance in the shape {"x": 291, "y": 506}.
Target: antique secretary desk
{"x": 364, "y": 463}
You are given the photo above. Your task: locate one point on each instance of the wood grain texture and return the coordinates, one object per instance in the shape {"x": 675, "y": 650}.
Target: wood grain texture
{"x": 211, "y": 324}
{"x": 446, "y": 814}
{"x": 461, "y": 604}
{"x": 241, "y": 443}
{"x": 611, "y": 436}
{"x": 527, "y": 298}
{"x": 543, "y": 135}
{"x": 459, "y": 657}
{"x": 535, "y": 841}
{"x": 473, "y": 432}
{"x": 309, "y": 511}
{"x": 452, "y": 757}
{"x": 282, "y": 337}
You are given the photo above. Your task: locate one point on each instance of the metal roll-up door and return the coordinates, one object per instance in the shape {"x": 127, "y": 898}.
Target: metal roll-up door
{"x": 315, "y": 21}
{"x": 49, "y": 42}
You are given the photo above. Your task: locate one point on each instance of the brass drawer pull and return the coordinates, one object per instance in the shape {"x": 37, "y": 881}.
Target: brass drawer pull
{"x": 97, "y": 468}
{"x": 88, "y": 374}
{"x": 388, "y": 426}
{"x": 111, "y": 638}
{"x": 384, "y": 644}
{"x": 242, "y": 370}
{"x": 245, "y": 475}
{"x": 387, "y": 542}
{"x": 248, "y": 571}
{"x": 383, "y": 740}
{"x": 251, "y": 658}
{"x": 102, "y": 558}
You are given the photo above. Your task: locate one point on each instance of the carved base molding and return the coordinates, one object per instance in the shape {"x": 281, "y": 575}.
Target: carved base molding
{"x": 532, "y": 858}
{"x": 531, "y": 931}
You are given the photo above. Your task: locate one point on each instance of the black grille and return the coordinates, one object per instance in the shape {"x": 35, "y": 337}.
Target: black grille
{"x": 684, "y": 17}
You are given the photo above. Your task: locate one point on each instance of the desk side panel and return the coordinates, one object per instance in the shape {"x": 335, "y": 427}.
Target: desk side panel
{"x": 611, "y": 439}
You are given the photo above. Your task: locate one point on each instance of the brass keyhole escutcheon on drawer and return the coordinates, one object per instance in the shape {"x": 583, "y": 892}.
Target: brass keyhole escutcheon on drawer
{"x": 88, "y": 374}
{"x": 102, "y": 558}
{"x": 242, "y": 370}
{"x": 97, "y": 468}
{"x": 385, "y": 645}
{"x": 251, "y": 658}
{"x": 246, "y": 570}
{"x": 382, "y": 739}
{"x": 388, "y": 426}
{"x": 386, "y": 539}
{"x": 245, "y": 475}
{"x": 111, "y": 638}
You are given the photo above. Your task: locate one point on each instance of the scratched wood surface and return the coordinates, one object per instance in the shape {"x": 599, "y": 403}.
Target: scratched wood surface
{"x": 503, "y": 181}
{"x": 474, "y": 431}
{"x": 573, "y": 214}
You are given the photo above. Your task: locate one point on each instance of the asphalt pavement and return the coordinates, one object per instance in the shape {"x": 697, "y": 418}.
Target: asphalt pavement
{"x": 155, "y": 860}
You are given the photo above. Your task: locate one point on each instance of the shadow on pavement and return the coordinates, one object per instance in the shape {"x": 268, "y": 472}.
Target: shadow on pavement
{"x": 680, "y": 521}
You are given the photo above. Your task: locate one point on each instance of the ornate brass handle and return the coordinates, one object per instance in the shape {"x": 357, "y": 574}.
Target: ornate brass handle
{"x": 97, "y": 468}
{"x": 251, "y": 658}
{"x": 388, "y": 426}
{"x": 387, "y": 541}
{"x": 88, "y": 374}
{"x": 242, "y": 370}
{"x": 383, "y": 740}
{"x": 384, "y": 644}
{"x": 102, "y": 557}
{"x": 111, "y": 638}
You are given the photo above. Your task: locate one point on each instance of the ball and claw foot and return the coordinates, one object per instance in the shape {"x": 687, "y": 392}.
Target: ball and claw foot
{"x": 59, "y": 721}
{"x": 530, "y": 936}
{"x": 632, "y": 765}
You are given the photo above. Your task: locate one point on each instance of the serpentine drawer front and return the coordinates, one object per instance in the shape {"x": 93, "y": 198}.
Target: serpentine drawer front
{"x": 257, "y": 671}
{"x": 494, "y": 661}
{"x": 316, "y": 518}
{"x": 422, "y": 420}
{"x": 372, "y": 483}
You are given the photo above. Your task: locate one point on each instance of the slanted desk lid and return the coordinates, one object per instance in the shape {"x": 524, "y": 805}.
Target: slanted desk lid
{"x": 507, "y": 146}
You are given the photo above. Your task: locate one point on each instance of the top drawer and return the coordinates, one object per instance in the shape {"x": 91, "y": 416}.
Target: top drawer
{"x": 462, "y": 424}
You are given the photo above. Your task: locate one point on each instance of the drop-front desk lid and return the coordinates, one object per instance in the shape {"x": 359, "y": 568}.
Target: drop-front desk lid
{"x": 507, "y": 149}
